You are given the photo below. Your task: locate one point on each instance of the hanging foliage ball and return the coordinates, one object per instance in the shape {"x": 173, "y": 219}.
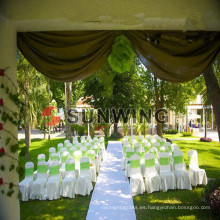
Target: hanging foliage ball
{"x": 122, "y": 54}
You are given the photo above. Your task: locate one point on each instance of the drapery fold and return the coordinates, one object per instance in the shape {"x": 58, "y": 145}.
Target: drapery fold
{"x": 74, "y": 55}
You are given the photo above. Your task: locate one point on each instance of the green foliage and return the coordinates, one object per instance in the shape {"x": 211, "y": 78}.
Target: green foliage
{"x": 186, "y": 134}
{"x": 170, "y": 131}
{"x": 122, "y": 54}
{"x": 80, "y": 129}
{"x": 125, "y": 129}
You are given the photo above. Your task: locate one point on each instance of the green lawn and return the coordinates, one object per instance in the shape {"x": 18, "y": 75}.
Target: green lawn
{"x": 177, "y": 136}
{"x": 209, "y": 156}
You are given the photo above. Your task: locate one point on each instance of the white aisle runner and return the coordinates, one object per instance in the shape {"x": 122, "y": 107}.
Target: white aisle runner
{"x": 111, "y": 198}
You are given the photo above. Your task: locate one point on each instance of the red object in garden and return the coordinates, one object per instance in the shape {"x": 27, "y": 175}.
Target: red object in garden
{"x": 203, "y": 139}
{"x": 1, "y": 126}
{"x": 2, "y": 151}
{"x": 1, "y": 181}
{"x": 1, "y": 102}
{"x": 2, "y": 72}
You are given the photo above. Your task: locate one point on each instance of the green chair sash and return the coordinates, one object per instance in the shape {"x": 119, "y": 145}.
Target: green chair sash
{"x": 134, "y": 163}
{"x": 54, "y": 157}
{"x": 77, "y": 157}
{"x": 178, "y": 159}
{"x": 42, "y": 168}
{"x": 129, "y": 154}
{"x": 141, "y": 155}
{"x": 41, "y": 159}
{"x": 84, "y": 153}
{"x": 84, "y": 166}
{"x": 54, "y": 170}
{"x": 70, "y": 166}
{"x": 29, "y": 171}
{"x": 164, "y": 161}
{"x": 64, "y": 158}
{"x": 91, "y": 157}
{"x": 150, "y": 162}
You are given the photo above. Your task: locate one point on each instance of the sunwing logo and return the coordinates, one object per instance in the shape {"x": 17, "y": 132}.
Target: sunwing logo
{"x": 54, "y": 120}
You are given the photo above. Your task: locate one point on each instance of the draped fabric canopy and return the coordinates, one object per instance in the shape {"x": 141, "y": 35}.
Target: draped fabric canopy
{"x": 74, "y": 55}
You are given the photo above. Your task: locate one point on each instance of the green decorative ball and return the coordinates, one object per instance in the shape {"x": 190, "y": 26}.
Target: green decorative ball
{"x": 122, "y": 54}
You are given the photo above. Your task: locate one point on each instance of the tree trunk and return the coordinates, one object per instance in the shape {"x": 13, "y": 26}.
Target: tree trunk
{"x": 213, "y": 91}
{"x": 115, "y": 128}
{"x": 68, "y": 92}
{"x": 48, "y": 90}
{"x": 27, "y": 117}
{"x": 205, "y": 122}
{"x": 158, "y": 105}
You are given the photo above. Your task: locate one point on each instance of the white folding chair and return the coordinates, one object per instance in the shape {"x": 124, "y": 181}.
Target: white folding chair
{"x": 68, "y": 183}
{"x": 136, "y": 180}
{"x": 152, "y": 178}
{"x": 84, "y": 182}
{"x": 181, "y": 174}
{"x": 38, "y": 187}
{"x": 26, "y": 184}
{"x": 54, "y": 181}
{"x": 166, "y": 175}
{"x": 197, "y": 175}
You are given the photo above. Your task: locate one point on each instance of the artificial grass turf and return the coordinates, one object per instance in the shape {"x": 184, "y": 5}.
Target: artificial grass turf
{"x": 147, "y": 205}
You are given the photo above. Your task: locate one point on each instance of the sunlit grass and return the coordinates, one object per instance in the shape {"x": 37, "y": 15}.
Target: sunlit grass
{"x": 177, "y": 136}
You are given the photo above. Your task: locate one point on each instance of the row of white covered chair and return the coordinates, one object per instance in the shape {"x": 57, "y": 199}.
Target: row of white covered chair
{"x": 164, "y": 168}
{"x": 50, "y": 184}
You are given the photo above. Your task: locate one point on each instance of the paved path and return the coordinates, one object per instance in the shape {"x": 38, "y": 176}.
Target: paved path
{"x": 111, "y": 198}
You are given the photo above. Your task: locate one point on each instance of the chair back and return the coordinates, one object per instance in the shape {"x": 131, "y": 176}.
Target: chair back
{"x": 135, "y": 164}
{"x": 164, "y": 160}
{"x": 40, "y": 157}
{"x": 54, "y": 168}
{"x": 29, "y": 170}
{"x": 42, "y": 169}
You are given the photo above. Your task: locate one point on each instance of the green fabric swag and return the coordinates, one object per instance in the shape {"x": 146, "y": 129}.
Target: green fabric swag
{"x": 164, "y": 161}
{"x": 174, "y": 56}
{"x": 84, "y": 166}
{"x": 54, "y": 158}
{"x": 70, "y": 166}
{"x": 42, "y": 168}
{"x": 64, "y": 158}
{"x": 40, "y": 159}
{"x": 134, "y": 163}
{"x": 150, "y": 163}
{"x": 178, "y": 159}
{"x": 91, "y": 157}
{"x": 29, "y": 171}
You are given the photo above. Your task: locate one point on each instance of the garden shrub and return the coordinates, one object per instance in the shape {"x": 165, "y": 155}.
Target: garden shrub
{"x": 170, "y": 131}
{"x": 186, "y": 134}
{"x": 211, "y": 194}
{"x": 203, "y": 139}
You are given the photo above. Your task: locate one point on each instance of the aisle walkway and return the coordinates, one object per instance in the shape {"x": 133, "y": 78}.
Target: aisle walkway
{"x": 111, "y": 198}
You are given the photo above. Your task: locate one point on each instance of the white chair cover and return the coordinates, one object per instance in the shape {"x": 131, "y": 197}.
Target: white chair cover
{"x": 52, "y": 150}
{"x": 53, "y": 183}
{"x": 41, "y": 157}
{"x": 93, "y": 170}
{"x": 84, "y": 183}
{"x": 166, "y": 176}
{"x": 152, "y": 178}
{"x": 197, "y": 175}
{"x": 26, "y": 184}
{"x": 38, "y": 187}
{"x": 59, "y": 146}
{"x": 129, "y": 153}
{"x": 136, "y": 179}
{"x": 68, "y": 183}
{"x": 181, "y": 174}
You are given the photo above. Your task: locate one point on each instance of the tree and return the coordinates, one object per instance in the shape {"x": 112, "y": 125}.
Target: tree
{"x": 108, "y": 89}
{"x": 33, "y": 95}
{"x": 68, "y": 101}
{"x": 172, "y": 96}
{"x": 212, "y": 79}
